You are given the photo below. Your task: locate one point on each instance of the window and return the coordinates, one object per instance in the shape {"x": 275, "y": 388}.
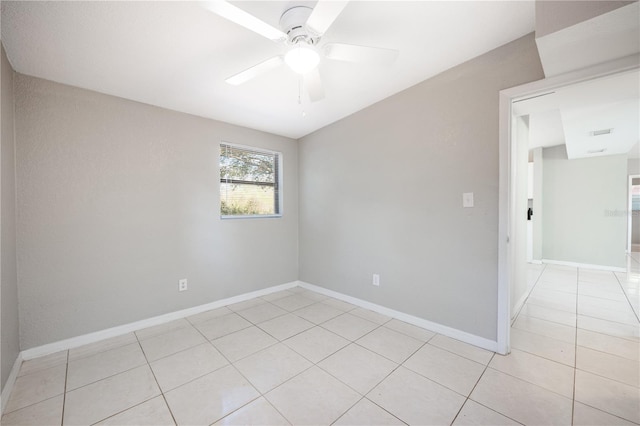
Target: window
{"x": 249, "y": 182}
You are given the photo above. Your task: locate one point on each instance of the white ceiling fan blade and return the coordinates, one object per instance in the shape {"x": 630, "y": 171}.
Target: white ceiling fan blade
{"x": 255, "y": 71}
{"x": 323, "y": 15}
{"x": 313, "y": 84}
{"x": 360, "y": 54}
{"x": 245, "y": 19}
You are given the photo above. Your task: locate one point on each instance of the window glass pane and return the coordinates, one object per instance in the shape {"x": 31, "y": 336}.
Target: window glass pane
{"x": 248, "y": 182}
{"x": 246, "y": 165}
{"x": 239, "y": 199}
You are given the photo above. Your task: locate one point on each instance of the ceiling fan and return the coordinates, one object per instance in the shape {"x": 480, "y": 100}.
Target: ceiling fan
{"x": 301, "y": 31}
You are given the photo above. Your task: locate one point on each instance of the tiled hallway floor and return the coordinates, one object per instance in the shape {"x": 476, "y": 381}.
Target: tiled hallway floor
{"x": 297, "y": 357}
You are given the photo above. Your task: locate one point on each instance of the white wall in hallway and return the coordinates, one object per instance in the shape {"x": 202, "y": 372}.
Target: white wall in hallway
{"x": 584, "y": 206}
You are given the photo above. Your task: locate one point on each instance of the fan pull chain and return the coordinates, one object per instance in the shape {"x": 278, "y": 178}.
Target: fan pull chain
{"x": 304, "y": 113}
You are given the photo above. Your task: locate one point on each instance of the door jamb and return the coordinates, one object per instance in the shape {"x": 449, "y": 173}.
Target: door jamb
{"x": 630, "y": 214}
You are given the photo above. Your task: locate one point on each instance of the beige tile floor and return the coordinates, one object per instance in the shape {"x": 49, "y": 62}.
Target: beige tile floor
{"x": 297, "y": 357}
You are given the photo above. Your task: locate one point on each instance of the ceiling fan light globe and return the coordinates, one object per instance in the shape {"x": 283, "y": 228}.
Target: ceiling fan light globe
{"x": 302, "y": 59}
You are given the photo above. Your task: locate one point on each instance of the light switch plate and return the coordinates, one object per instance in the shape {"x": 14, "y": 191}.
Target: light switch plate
{"x": 467, "y": 199}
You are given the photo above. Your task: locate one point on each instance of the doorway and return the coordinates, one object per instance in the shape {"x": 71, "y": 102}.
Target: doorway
{"x": 514, "y": 170}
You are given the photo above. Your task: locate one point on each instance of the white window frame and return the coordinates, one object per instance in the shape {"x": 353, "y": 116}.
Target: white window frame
{"x": 279, "y": 180}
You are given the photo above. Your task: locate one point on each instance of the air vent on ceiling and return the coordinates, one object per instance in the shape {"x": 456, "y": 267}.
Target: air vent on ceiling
{"x": 601, "y": 132}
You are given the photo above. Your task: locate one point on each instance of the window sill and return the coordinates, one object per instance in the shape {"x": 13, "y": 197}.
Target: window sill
{"x": 254, "y": 216}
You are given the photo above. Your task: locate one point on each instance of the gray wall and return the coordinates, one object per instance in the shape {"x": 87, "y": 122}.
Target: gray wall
{"x": 118, "y": 200}
{"x": 381, "y": 192}
{"x": 633, "y": 166}
{"x": 578, "y": 196}
{"x": 552, "y": 16}
{"x": 8, "y": 290}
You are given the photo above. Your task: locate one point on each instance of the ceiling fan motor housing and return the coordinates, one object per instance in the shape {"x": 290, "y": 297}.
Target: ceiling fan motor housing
{"x": 293, "y": 23}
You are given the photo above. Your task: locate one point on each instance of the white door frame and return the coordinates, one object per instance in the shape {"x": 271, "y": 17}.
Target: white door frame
{"x": 630, "y": 212}
{"x": 507, "y": 176}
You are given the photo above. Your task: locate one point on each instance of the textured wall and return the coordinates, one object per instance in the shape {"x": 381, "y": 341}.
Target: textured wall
{"x": 118, "y": 200}
{"x": 9, "y": 289}
{"x": 584, "y": 208}
{"x": 381, "y": 192}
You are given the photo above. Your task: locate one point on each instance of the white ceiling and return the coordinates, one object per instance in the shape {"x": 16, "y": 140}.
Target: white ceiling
{"x": 177, "y": 54}
{"x": 545, "y": 129}
{"x": 571, "y": 114}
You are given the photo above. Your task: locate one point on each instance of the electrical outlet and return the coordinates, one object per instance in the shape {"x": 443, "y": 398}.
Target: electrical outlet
{"x": 467, "y": 199}
{"x": 182, "y": 285}
{"x": 376, "y": 280}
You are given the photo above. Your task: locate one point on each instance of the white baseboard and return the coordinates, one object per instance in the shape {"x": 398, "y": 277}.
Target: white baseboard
{"x": 77, "y": 341}
{"x": 454, "y": 333}
{"x": 536, "y": 261}
{"x": 11, "y": 380}
{"x": 584, "y": 265}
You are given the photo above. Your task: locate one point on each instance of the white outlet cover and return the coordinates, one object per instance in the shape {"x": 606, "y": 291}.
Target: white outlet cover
{"x": 467, "y": 199}
{"x": 182, "y": 285}
{"x": 376, "y": 279}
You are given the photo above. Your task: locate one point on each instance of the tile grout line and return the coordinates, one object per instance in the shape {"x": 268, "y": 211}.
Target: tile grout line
{"x": 39, "y": 370}
{"x": 608, "y": 413}
{"x": 552, "y": 338}
{"x": 315, "y": 364}
{"x": 332, "y": 353}
{"x": 420, "y": 374}
{"x": 273, "y": 406}
{"x": 110, "y": 375}
{"x": 546, "y": 319}
{"x": 339, "y": 380}
{"x": 531, "y": 383}
{"x": 528, "y": 295}
{"x": 542, "y": 356}
{"x": 596, "y": 350}
{"x": 457, "y": 354}
{"x": 570, "y": 366}
{"x": 231, "y": 364}
{"x": 473, "y": 388}
{"x": 124, "y": 410}
{"x": 487, "y": 367}
{"x": 542, "y": 305}
{"x": 575, "y": 353}
{"x": 64, "y": 393}
{"x": 385, "y": 377}
{"x": 626, "y": 297}
{"x": 362, "y": 397}
{"x": 156, "y": 380}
